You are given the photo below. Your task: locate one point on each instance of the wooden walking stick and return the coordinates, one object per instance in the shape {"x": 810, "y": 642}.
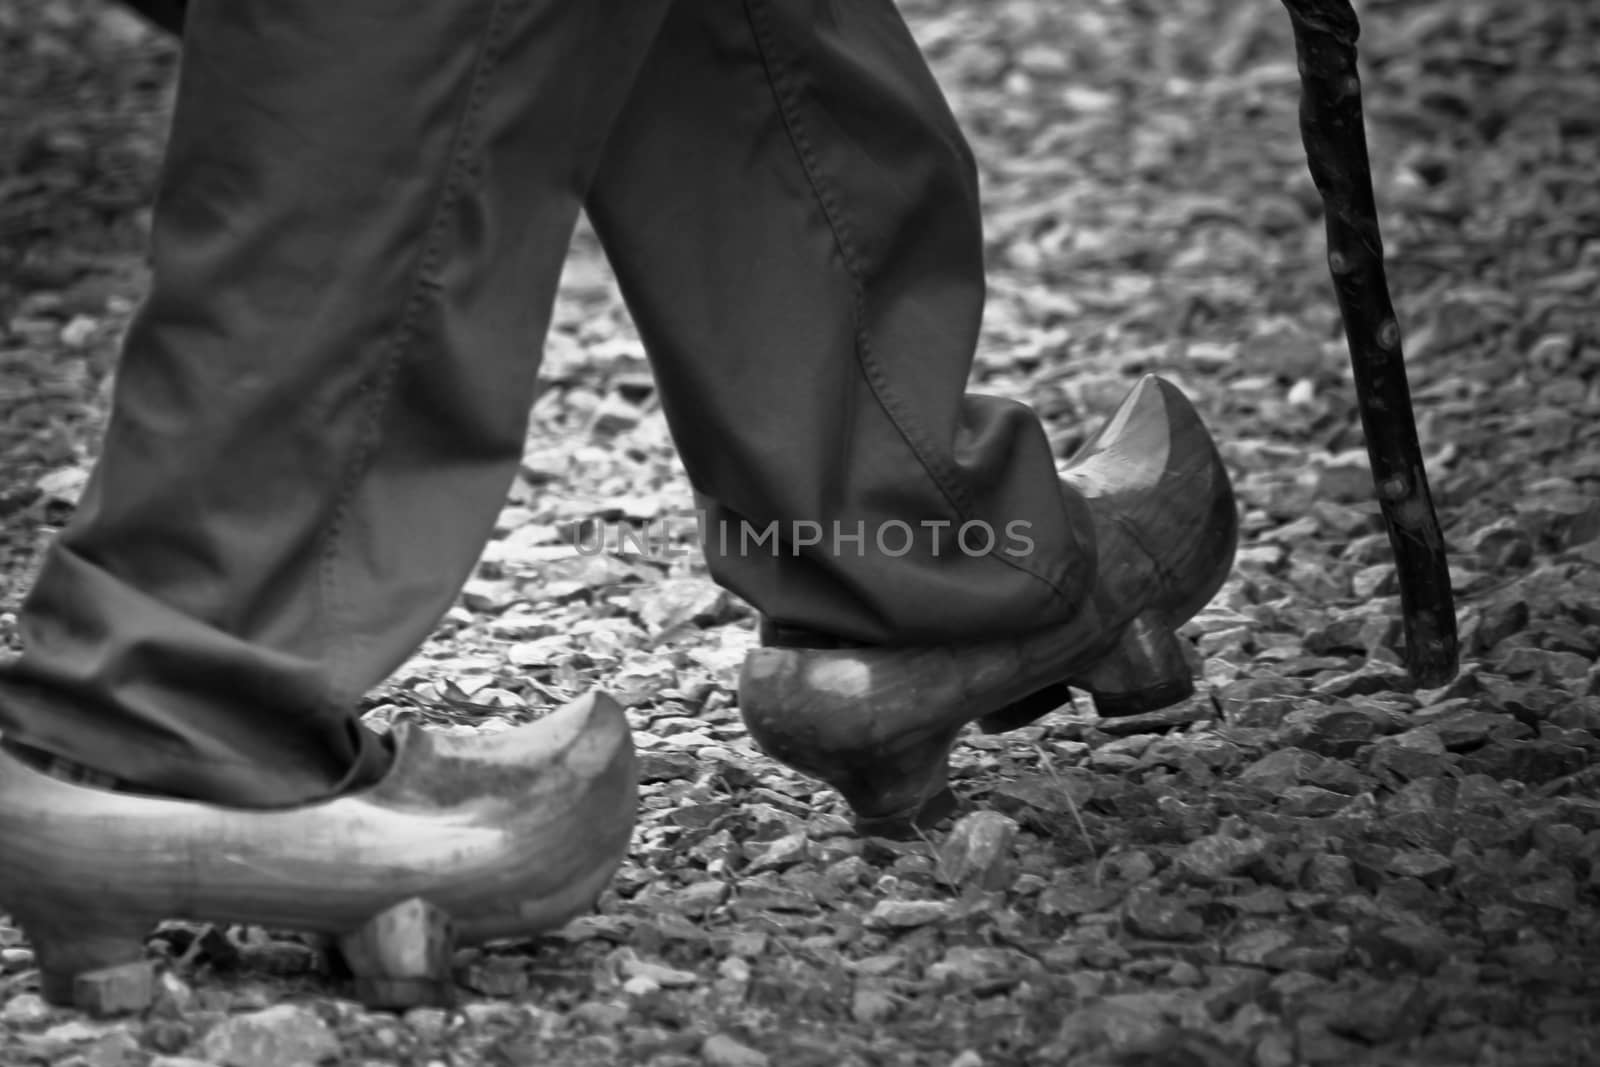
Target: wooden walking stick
{"x": 1325, "y": 33}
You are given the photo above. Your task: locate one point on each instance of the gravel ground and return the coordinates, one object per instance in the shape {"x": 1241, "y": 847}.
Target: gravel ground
{"x": 1312, "y": 862}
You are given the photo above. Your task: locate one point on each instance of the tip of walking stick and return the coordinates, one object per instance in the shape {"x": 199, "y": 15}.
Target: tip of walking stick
{"x": 1432, "y": 658}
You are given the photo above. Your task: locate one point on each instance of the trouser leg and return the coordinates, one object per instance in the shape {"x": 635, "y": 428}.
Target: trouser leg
{"x": 362, "y": 220}
{"x": 793, "y": 217}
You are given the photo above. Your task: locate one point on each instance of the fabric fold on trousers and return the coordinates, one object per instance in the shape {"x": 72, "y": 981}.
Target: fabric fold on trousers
{"x": 806, "y": 269}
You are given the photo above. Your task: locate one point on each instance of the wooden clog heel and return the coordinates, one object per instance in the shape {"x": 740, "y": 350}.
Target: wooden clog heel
{"x": 1147, "y": 671}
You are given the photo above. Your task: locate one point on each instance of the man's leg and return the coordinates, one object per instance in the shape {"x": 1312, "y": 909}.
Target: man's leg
{"x": 793, "y": 216}
{"x": 363, "y": 216}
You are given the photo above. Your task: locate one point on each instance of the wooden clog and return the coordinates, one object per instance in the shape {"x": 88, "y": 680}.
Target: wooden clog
{"x": 466, "y": 839}
{"x": 878, "y": 723}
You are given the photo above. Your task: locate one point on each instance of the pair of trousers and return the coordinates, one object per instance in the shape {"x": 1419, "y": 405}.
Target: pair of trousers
{"x": 321, "y": 404}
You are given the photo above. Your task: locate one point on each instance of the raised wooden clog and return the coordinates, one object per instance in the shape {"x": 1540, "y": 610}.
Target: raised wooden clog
{"x": 878, "y": 724}
{"x": 466, "y": 839}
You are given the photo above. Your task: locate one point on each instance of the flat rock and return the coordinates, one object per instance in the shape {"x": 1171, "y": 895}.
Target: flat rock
{"x": 1315, "y": 1045}
{"x": 1429, "y": 868}
{"x": 1161, "y": 917}
{"x": 1468, "y": 729}
{"x": 1311, "y": 801}
{"x": 25, "y": 1010}
{"x": 722, "y": 1050}
{"x": 1072, "y": 900}
{"x": 1374, "y": 677}
{"x": 1214, "y": 753}
{"x": 668, "y": 765}
{"x": 633, "y": 967}
{"x": 1218, "y": 856}
{"x": 120, "y": 1048}
{"x": 1262, "y": 900}
{"x": 1333, "y": 731}
{"x": 978, "y": 971}
{"x": 1482, "y": 793}
{"x": 698, "y": 898}
{"x": 1534, "y": 762}
{"x": 1543, "y": 665}
{"x": 781, "y": 854}
{"x": 872, "y": 1005}
{"x": 1581, "y": 812}
{"x": 1380, "y": 1012}
{"x": 978, "y": 851}
{"x": 279, "y": 1036}
{"x": 905, "y": 914}
{"x": 1501, "y": 545}
{"x": 1556, "y": 896}
{"x": 1328, "y": 873}
{"x": 1042, "y": 794}
{"x": 1159, "y": 721}
{"x": 1414, "y": 948}
{"x": 1524, "y": 700}
{"x": 1256, "y": 947}
{"x": 1399, "y": 763}
{"x": 495, "y": 976}
{"x": 1425, "y": 795}
{"x": 1259, "y": 702}
{"x": 1500, "y": 622}
{"x": 1341, "y": 636}
{"x": 1279, "y": 769}
{"x": 1116, "y": 1023}
{"x": 1338, "y": 776}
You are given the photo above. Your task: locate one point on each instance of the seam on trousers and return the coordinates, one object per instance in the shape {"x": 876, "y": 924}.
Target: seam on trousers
{"x": 458, "y": 171}
{"x": 789, "y": 111}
